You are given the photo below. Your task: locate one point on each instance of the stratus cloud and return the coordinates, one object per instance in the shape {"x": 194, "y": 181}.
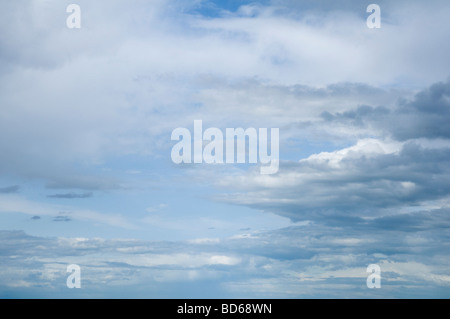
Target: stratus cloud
{"x": 310, "y": 260}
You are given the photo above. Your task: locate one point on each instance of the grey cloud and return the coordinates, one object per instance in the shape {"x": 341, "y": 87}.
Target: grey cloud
{"x": 52, "y": 142}
{"x": 363, "y": 184}
{"x": 358, "y": 116}
{"x": 326, "y": 5}
{"x": 360, "y": 186}
{"x": 432, "y": 220}
{"x": 84, "y": 182}
{"x": 9, "y": 189}
{"x": 62, "y": 218}
{"x": 35, "y": 217}
{"x": 311, "y": 260}
{"x": 292, "y": 107}
{"x": 425, "y": 116}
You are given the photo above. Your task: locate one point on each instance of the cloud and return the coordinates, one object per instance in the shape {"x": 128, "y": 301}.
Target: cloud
{"x": 357, "y": 181}
{"x": 164, "y": 47}
{"x": 365, "y": 149}
{"x": 156, "y": 208}
{"x": 71, "y": 195}
{"x": 299, "y": 261}
{"x": 425, "y": 116}
{"x": 9, "y": 189}
{"x": 19, "y": 204}
{"x": 434, "y": 219}
{"x": 62, "y": 218}
{"x": 35, "y": 217}
{"x": 399, "y": 158}
{"x": 85, "y": 181}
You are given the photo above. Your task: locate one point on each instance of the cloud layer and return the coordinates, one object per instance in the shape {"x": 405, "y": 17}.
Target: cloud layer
{"x": 364, "y": 144}
{"x": 404, "y": 165}
{"x": 296, "y": 262}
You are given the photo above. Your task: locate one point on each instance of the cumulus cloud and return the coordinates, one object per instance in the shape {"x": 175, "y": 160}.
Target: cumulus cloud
{"x": 356, "y": 181}
{"x": 405, "y": 165}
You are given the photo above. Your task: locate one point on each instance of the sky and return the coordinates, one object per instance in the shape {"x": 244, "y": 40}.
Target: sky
{"x": 86, "y": 175}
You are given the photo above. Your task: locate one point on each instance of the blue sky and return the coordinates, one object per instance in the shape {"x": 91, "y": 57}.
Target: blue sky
{"x": 86, "y": 177}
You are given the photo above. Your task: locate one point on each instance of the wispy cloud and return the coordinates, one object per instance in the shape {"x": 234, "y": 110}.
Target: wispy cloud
{"x": 62, "y": 218}
{"x": 71, "y": 195}
{"x": 302, "y": 261}
{"x": 12, "y": 203}
{"x": 156, "y": 208}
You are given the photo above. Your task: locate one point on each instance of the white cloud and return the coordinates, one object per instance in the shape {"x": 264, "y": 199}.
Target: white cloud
{"x": 311, "y": 260}
{"x": 157, "y": 208}
{"x": 73, "y": 100}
